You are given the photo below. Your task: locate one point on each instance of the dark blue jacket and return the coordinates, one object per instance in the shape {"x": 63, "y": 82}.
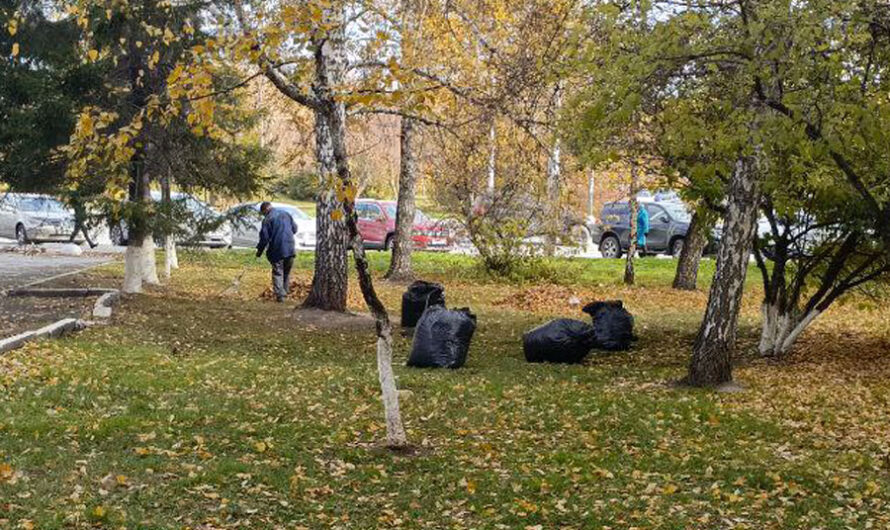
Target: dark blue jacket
{"x": 277, "y": 234}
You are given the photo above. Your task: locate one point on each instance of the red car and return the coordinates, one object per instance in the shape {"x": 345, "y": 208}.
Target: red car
{"x": 377, "y": 226}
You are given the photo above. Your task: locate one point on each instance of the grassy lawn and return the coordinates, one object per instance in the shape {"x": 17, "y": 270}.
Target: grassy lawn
{"x": 199, "y": 408}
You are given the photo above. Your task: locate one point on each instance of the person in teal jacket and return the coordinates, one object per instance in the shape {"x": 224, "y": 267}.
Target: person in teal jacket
{"x": 642, "y": 228}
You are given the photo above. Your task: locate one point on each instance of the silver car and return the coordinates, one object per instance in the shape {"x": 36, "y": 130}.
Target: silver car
{"x": 28, "y": 217}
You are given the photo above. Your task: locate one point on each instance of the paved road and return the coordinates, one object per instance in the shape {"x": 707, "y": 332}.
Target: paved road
{"x": 18, "y": 269}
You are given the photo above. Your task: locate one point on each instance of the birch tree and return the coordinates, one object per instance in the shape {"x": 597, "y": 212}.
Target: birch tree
{"x": 324, "y": 38}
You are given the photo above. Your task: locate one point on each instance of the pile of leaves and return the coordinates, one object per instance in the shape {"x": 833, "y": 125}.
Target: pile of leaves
{"x": 542, "y": 298}
{"x": 299, "y": 290}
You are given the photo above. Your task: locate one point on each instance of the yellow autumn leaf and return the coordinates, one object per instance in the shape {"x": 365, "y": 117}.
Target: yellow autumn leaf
{"x": 121, "y": 480}
{"x": 5, "y": 471}
{"x": 174, "y": 75}
{"x": 337, "y": 215}
{"x": 155, "y": 57}
{"x": 669, "y": 489}
{"x": 12, "y": 26}
{"x": 15, "y": 49}
{"x": 260, "y": 447}
{"x": 350, "y": 192}
{"x": 86, "y": 124}
{"x": 99, "y": 511}
{"x": 93, "y": 54}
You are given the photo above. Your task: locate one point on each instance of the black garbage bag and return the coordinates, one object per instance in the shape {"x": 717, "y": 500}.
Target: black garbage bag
{"x": 559, "y": 341}
{"x": 612, "y": 324}
{"x": 442, "y": 338}
{"x": 417, "y": 298}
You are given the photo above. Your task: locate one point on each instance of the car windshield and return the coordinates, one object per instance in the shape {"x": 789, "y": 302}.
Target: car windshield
{"x": 677, "y": 211}
{"x": 196, "y": 206}
{"x": 419, "y": 217}
{"x": 41, "y": 204}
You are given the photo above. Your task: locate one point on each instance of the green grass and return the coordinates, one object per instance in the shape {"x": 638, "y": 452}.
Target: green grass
{"x": 194, "y": 410}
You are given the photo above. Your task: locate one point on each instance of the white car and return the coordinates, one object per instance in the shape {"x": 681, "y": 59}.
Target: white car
{"x": 29, "y": 217}
{"x": 246, "y": 232}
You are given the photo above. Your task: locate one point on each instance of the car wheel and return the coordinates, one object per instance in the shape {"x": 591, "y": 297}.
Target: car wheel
{"x": 677, "y": 247}
{"x": 387, "y": 245}
{"x": 610, "y": 247}
{"x": 21, "y": 236}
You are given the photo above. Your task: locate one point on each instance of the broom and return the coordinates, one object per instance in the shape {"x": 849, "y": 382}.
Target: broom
{"x": 235, "y": 286}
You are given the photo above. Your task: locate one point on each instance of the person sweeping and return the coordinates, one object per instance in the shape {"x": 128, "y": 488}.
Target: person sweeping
{"x": 277, "y": 240}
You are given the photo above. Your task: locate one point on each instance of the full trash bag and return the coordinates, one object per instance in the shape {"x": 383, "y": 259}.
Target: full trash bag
{"x": 559, "y": 341}
{"x": 612, "y": 324}
{"x": 417, "y": 298}
{"x": 442, "y": 338}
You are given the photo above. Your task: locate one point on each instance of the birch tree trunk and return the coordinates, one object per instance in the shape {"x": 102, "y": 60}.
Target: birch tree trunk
{"x": 633, "y": 206}
{"x": 714, "y": 347}
{"x": 686, "y": 277}
{"x": 400, "y": 263}
{"x": 329, "y": 281}
{"x": 331, "y": 57}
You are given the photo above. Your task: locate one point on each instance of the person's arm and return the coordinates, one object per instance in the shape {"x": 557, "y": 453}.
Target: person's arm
{"x": 264, "y": 238}
{"x": 293, "y": 224}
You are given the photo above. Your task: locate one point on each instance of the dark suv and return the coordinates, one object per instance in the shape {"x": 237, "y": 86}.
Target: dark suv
{"x": 668, "y": 224}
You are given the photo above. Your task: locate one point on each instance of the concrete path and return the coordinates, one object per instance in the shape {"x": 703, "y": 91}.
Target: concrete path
{"x": 17, "y": 270}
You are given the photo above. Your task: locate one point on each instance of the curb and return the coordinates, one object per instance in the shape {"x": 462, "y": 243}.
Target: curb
{"x": 59, "y": 293}
{"x": 102, "y": 309}
{"x": 56, "y": 329}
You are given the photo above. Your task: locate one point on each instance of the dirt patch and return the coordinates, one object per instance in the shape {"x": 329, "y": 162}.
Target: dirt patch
{"x": 20, "y": 314}
{"x": 318, "y": 319}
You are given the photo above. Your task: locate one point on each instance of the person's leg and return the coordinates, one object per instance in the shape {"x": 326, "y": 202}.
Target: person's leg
{"x": 86, "y": 236}
{"x": 288, "y": 265}
{"x": 278, "y": 281}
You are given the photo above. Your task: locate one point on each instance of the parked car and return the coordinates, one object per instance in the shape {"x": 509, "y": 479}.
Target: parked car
{"x": 668, "y": 224}
{"x": 248, "y": 220}
{"x": 377, "y": 226}
{"x": 206, "y": 227}
{"x": 536, "y": 218}
{"x": 29, "y": 217}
